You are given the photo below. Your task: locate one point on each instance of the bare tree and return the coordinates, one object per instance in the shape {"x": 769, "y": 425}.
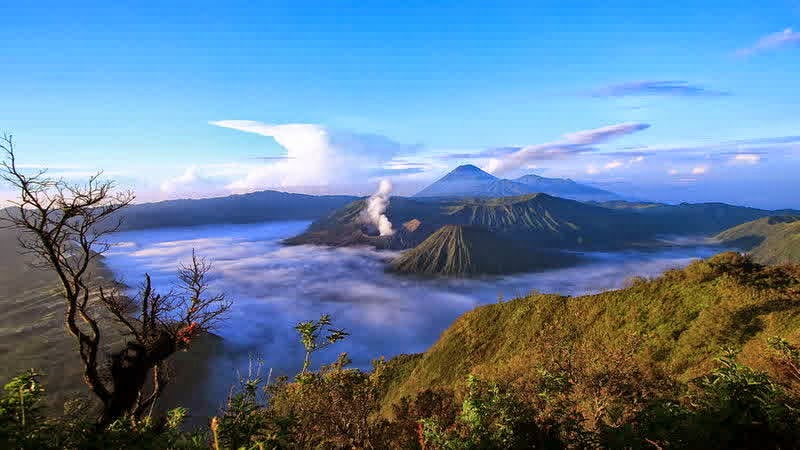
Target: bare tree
{"x": 64, "y": 226}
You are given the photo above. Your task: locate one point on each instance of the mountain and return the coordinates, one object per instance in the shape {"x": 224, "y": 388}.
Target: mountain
{"x": 565, "y": 187}
{"x": 699, "y": 218}
{"x": 468, "y": 250}
{"x": 533, "y": 221}
{"x": 254, "y": 207}
{"x": 661, "y": 331}
{"x": 412, "y": 220}
{"x": 538, "y": 219}
{"x": 470, "y": 181}
{"x": 771, "y": 240}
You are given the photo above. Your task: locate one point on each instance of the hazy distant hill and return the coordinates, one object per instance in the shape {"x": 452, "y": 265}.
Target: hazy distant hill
{"x": 565, "y": 187}
{"x": 771, "y": 240}
{"x": 466, "y": 250}
{"x": 698, "y": 218}
{"x": 254, "y": 207}
{"x": 470, "y": 181}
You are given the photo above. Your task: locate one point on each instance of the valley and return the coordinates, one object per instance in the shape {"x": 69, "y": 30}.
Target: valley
{"x": 387, "y": 314}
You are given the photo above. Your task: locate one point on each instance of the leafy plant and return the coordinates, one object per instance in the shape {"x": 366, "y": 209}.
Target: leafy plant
{"x": 316, "y": 335}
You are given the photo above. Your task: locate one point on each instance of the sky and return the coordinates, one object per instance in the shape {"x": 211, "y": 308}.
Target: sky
{"x": 679, "y": 101}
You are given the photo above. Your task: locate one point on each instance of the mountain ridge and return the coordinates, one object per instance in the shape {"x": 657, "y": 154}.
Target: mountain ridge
{"x": 470, "y": 181}
{"x": 253, "y": 207}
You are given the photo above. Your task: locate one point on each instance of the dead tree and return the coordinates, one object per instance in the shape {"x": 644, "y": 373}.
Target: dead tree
{"x": 64, "y": 226}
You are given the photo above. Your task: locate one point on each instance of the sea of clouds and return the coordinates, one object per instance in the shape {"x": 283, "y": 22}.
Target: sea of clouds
{"x": 275, "y": 286}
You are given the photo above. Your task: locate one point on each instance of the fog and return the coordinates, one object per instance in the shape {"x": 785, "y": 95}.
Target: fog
{"x": 275, "y": 286}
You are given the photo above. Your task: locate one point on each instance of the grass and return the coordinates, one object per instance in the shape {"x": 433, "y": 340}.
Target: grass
{"x": 674, "y": 325}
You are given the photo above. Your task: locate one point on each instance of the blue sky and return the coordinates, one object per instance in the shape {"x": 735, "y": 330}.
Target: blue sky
{"x": 675, "y": 102}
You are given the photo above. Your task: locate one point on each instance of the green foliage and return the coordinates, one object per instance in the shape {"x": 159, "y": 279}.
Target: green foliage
{"x": 242, "y": 419}
{"x": 494, "y": 417}
{"x": 20, "y": 410}
{"x": 734, "y": 406}
{"x": 316, "y": 335}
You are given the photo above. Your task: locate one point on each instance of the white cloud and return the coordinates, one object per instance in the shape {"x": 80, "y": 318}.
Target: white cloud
{"x": 771, "y": 42}
{"x": 603, "y": 134}
{"x": 316, "y": 157}
{"x": 571, "y": 144}
{"x": 746, "y": 158}
{"x": 195, "y": 181}
{"x": 613, "y": 165}
{"x": 696, "y": 170}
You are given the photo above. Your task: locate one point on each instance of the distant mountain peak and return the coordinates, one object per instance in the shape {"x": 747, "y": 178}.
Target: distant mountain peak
{"x": 470, "y": 171}
{"x": 470, "y": 181}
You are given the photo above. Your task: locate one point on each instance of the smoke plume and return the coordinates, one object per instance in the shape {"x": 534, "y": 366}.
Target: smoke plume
{"x": 376, "y": 209}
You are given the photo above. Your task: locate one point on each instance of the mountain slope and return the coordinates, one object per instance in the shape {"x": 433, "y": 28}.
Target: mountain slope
{"x": 771, "y": 240}
{"x": 536, "y": 218}
{"x": 32, "y": 334}
{"x": 704, "y": 218}
{"x": 254, "y": 207}
{"x": 466, "y": 250}
{"x": 547, "y": 220}
{"x": 565, "y": 187}
{"x": 470, "y": 181}
{"x": 671, "y": 327}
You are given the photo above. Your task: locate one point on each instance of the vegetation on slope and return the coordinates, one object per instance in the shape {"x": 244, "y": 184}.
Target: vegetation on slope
{"x": 771, "y": 240}
{"x": 467, "y": 250}
{"x": 668, "y": 328}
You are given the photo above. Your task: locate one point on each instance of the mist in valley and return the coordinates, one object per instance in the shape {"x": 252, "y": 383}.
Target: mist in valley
{"x": 275, "y": 286}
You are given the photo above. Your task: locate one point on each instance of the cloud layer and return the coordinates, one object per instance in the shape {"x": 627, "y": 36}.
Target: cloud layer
{"x": 273, "y": 287}
{"x": 656, "y": 88}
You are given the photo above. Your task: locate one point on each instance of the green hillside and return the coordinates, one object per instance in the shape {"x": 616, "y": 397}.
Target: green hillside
{"x": 771, "y": 240}
{"x": 667, "y": 329}
{"x": 467, "y": 250}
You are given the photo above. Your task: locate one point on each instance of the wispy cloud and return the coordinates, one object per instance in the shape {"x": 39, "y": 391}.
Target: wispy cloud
{"x": 772, "y": 41}
{"x": 673, "y": 88}
{"x": 571, "y": 144}
{"x": 603, "y": 134}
